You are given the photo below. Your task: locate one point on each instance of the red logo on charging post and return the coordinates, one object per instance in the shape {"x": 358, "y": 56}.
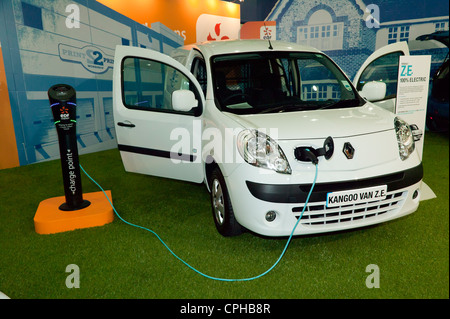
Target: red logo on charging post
{"x": 64, "y": 112}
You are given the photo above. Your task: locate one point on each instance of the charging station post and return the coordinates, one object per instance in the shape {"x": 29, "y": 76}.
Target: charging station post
{"x": 72, "y": 211}
{"x": 62, "y": 99}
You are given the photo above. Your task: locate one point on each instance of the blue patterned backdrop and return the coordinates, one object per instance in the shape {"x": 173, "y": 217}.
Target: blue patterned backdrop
{"x": 46, "y": 42}
{"x": 341, "y": 28}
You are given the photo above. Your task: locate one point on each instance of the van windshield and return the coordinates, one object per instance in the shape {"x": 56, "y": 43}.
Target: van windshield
{"x": 268, "y": 82}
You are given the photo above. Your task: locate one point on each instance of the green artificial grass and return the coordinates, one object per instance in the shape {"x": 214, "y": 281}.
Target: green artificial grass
{"x": 120, "y": 261}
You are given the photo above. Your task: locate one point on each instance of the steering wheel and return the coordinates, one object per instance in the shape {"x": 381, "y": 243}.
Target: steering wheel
{"x": 224, "y": 100}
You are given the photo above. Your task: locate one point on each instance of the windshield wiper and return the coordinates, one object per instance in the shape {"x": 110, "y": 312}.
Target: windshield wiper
{"x": 290, "y": 106}
{"x": 284, "y": 107}
{"x": 341, "y": 103}
{"x": 310, "y": 105}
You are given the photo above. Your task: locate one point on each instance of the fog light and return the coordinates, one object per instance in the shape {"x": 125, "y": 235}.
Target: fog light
{"x": 271, "y": 215}
{"x": 415, "y": 194}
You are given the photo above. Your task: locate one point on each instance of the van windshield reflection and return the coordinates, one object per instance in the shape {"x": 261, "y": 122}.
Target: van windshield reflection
{"x": 267, "y": 82}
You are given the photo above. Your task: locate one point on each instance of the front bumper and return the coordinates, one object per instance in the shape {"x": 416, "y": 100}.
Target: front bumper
{"x": 251, "y": 201}
{"x": 297, "y": 193}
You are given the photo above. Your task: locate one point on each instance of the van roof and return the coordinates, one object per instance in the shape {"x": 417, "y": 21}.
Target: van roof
{"x": 212, "y": 48}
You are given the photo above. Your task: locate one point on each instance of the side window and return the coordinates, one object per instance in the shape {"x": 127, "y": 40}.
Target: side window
{"x": 148, "y": 85}
{"x": 199, "y": 71}
{"x": 383, "y": 69}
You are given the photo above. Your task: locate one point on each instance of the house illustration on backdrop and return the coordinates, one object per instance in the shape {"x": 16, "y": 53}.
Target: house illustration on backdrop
{"x": 339, "y": 27}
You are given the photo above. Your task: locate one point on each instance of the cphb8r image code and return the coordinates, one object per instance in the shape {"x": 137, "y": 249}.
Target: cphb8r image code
{"x": 231, "y": 308}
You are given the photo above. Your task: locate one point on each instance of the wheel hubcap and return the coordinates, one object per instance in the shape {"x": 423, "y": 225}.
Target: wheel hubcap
{"x": 218, "y": 202}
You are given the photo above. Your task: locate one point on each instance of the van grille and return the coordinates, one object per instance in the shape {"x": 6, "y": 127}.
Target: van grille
{"x": 317, "y": 214}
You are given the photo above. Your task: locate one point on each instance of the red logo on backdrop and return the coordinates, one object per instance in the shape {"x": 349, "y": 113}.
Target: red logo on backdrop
{"x": 217, "y": 31}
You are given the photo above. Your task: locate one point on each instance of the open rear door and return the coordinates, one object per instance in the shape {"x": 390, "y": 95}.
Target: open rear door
{"x": 156, "y": 134}
{"x": 382, "y": 66}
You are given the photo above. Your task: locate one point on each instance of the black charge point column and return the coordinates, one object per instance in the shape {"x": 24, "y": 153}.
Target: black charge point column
{"x": 63, "y": 104}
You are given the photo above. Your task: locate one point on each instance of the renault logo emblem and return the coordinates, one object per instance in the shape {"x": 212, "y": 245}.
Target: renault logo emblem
{"x": 348, "y": 150}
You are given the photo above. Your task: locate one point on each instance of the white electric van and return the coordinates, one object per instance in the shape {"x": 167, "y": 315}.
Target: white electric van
{"x": 251, "y": 119}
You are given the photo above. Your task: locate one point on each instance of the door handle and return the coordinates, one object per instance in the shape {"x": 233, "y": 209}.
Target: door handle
{"x": 128, "y": 124}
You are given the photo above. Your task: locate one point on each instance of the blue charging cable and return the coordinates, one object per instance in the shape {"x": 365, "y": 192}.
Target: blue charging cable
{"x": 195, "y": 270}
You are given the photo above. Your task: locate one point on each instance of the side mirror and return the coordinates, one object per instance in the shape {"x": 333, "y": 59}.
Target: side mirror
{"x": 183, "y": 100}
{"x": 374, "y": 91}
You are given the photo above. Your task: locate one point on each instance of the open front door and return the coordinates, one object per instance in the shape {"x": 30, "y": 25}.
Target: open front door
{"x": 382, "y": 66}
{"x": 157, "y": 113}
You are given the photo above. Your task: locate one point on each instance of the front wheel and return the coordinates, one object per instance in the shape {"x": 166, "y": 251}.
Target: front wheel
{"x": 222, "y": 209}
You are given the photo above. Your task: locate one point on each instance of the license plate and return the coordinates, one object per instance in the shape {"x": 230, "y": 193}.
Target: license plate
{"x": 356, "y": 196}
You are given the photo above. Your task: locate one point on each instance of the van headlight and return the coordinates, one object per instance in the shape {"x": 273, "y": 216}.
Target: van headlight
{"x": 405, "y": 138}
{"x": 260, "y": 150}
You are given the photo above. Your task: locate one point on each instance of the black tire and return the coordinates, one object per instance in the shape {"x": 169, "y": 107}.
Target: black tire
{"x": 221, "y": 207}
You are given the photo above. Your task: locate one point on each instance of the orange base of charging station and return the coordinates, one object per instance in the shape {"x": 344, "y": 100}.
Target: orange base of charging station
{"x": 49, "y": 219}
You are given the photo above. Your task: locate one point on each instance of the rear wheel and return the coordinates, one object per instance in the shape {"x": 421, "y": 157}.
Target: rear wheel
{"x": 222, "y": 209}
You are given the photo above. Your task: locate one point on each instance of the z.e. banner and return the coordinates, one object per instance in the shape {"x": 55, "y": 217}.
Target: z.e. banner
{"x": 412, "y": 94}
